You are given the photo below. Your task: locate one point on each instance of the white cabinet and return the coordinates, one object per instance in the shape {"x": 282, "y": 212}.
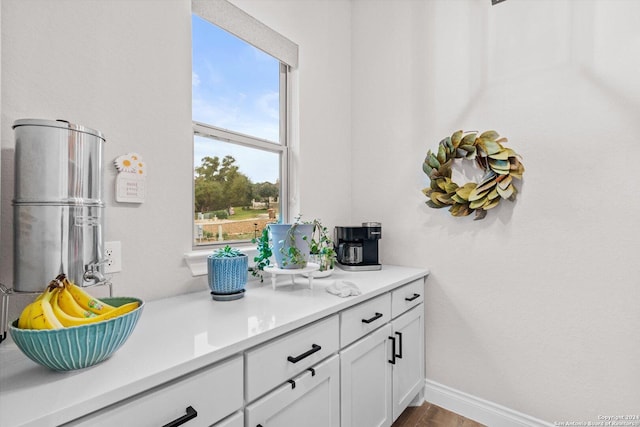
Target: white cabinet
{"x": 322, "y": 361}
{"x": 365, "y": 381}
{"x": 199, "y": 399}
{"x": 275, "y": 362}
{"x": 408, "y": 355}
{"x": 384, "y": 371}
{"x": 311, "y": 399}
{"x": 235, "y": 420}
{"x": 364, "y": 318}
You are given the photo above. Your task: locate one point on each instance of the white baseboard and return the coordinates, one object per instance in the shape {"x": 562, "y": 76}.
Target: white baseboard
{"x": 477, "y": 409}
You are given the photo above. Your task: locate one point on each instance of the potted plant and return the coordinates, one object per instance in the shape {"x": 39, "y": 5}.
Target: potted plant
{"x": 291, "y": 243}
{"x": 322, "y": 251}
{"x": 227, "y": 270}
{"x": 263, "y": 258}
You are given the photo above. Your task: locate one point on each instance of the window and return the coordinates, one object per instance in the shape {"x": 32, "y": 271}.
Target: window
{"x": 239, "y": 112}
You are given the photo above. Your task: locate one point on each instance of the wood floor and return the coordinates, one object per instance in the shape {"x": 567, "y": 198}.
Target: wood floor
{"x": 429, "y": 415}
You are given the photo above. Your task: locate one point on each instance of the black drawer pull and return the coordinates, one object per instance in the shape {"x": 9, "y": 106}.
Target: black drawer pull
{"x": 376, "y": 317}
{"x": 190, "y": 414}
{"x": 393, "y": 350}
{"x": 415, "y": 296}
{"x": 314, "y": 348}
{"x": 399, "y": 355}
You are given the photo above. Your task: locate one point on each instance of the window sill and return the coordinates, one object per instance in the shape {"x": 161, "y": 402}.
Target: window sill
{"x": 197, "y": 260}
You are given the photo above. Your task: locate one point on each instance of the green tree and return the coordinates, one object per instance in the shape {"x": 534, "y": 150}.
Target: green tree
{"x": 220, "y": 185}
{"x": 263, "y": 190}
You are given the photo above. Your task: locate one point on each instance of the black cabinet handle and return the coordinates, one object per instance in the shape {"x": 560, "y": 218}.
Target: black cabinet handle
{"x": 190, "y": 414}
{"x": 399, "y": 355}
{"x": 314, "y": 348}
{"x": 393, "y": 350}
{"x": 376, "y": 317}
{"x": 415, "y": 296}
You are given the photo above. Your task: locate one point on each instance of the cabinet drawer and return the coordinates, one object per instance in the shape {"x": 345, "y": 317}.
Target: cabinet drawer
{"x": 314, "y": 401}
{"x": 361, "y": 319}
{"x": 406, "y": 297}
{"x": 212, "y": 392}
{"x": 275, "y": 362}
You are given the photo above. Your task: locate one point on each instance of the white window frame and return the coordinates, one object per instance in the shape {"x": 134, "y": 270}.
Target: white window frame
{"x": 232, "y": 19}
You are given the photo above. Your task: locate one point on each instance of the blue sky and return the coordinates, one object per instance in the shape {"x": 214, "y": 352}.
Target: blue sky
{"x": 235, "y": 86}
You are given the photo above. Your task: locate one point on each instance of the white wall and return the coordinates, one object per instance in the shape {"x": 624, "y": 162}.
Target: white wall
{"x": 124, "y": 68}
{"x": 322, "y": 157}
{"x": 535, "y": 307}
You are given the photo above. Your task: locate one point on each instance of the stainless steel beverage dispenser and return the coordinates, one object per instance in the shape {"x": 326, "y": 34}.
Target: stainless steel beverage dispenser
{"x": 58, "y": 206}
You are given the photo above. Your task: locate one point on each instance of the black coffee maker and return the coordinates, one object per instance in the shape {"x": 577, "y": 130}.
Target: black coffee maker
{"x": 357, "y": 247}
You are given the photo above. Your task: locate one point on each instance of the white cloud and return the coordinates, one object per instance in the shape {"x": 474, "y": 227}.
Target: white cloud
{"x": 268, "y": 104}
{"x": 195, "y": 80}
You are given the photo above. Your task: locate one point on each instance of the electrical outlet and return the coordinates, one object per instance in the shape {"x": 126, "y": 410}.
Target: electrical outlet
{"x": 113, "y": 256}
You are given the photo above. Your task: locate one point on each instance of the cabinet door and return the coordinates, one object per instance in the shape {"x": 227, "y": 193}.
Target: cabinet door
{"x": 365, "y": 382}
{"x": 408, "y": 371}
{"x": 312, "y": 400}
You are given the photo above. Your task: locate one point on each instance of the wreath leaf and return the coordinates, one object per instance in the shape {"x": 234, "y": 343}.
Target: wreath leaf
{"x": 500, "y": 165}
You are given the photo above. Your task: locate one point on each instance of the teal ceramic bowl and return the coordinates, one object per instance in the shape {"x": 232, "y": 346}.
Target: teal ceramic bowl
{"x": 77, "y": 347}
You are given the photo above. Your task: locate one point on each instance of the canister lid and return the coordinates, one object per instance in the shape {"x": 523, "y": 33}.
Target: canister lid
{"x": 61, "y": 124}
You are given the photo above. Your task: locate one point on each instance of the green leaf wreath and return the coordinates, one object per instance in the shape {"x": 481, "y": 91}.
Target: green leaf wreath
{"x": 500, "y": 166}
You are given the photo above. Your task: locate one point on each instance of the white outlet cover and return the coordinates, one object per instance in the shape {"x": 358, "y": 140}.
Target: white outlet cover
{"x": 113, "y": 257}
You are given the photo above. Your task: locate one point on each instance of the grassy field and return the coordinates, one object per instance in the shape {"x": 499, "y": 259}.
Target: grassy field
{"x": 240, "y": 214}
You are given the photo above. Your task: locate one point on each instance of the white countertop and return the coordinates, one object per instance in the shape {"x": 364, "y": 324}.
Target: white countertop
{"x": 175, "y": 336}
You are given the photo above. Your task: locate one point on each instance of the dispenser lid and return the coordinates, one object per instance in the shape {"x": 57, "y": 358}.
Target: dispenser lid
{"x": 61, "y": 124}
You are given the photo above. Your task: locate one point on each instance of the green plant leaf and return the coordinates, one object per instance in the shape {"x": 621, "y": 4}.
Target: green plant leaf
{"x": 493, "y": 194}
{"x": 475, "y": 204}
{"x": 461, "y": 209}
{"x": 491, "y": 204}
{"x": 442, "y": 155}
{"x": 502, "y": 155}
{"x": 507, "y": 192}
{"x": 469, "y": 139}
{"x": 444, "y": 198}
{"x": 434, "y": 198}
{"x": 485, "y": 188}
{"x": 456, "y": 138}
{"x": 498, "y": 165}
{"x": 448, "y": 144}
{"x": 458, "y": 199}
{"x": 505, "y": 182}
{"x": 480, "y": 214}
{"x": 489, "y": 146}
{"x": 491, "y": 135}
{"x": 464, "y": 191}
{"x": 433, "y": 161}
{"x": 450, "y": 186}
{"x": 426, "y": 168}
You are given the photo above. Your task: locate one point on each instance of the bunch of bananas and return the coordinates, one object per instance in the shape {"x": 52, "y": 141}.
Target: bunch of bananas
{"x": 63, "y": 304}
